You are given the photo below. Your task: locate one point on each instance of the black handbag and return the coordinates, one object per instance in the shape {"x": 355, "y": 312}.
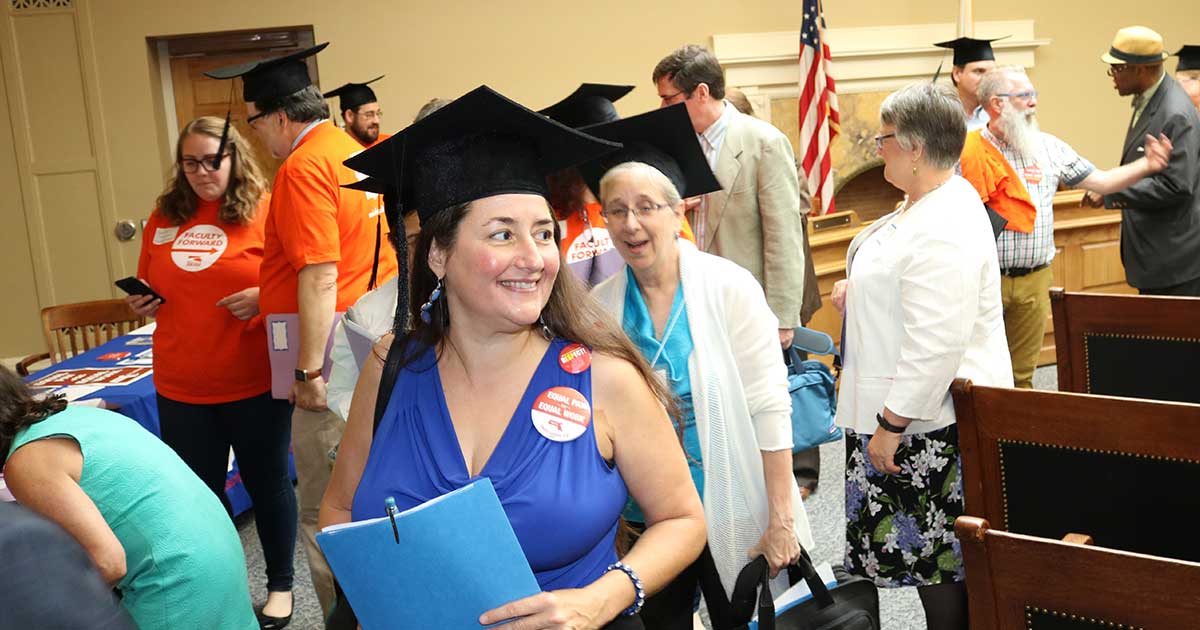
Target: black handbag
{"x": 851, "y": 605}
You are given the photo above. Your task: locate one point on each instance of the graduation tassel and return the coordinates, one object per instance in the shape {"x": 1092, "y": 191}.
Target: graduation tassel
{"x": 216, "y": 164}
{"x": 939, "y": 71}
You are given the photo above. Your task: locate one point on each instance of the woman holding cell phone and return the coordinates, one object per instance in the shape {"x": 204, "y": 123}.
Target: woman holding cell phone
{"x": 201, "y": 250}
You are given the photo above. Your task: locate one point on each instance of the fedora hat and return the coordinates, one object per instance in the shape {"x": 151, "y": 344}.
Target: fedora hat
{"x": 1135, "y": 45}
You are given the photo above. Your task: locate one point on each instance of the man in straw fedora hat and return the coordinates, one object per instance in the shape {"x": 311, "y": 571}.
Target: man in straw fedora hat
{"x": 1160, "y": 215}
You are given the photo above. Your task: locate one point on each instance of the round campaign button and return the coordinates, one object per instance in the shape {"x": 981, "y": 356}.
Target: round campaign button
{"x": 575, "y": 358}
{"x": 561, "y": 414}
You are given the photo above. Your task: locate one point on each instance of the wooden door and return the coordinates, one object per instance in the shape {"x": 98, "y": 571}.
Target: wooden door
{"x": 198, "y": 95}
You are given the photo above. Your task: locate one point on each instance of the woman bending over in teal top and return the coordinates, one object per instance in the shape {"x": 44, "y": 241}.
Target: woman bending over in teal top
{"x": 154, "y": 530}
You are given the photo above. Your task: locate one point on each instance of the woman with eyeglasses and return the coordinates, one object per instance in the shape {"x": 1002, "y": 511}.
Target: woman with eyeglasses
{"x": 201, "y": 251}
{"x": 704, "y": 326}
{"x": 921, "y": 307}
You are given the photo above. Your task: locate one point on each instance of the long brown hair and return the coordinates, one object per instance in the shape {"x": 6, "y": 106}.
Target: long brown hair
{"x": 178, "y": 201}
{"x": 570, "y": 312}
{"x": 18, "y": 409}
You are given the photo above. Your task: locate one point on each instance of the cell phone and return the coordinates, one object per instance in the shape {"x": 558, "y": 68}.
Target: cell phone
{"x": 133, "y": 286}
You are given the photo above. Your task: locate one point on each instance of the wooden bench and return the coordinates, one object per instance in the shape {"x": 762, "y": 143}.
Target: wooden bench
{"x": 1029, "y": 583}
{"x": 1127, "y": 345}
{"x": 1124, "y": 471}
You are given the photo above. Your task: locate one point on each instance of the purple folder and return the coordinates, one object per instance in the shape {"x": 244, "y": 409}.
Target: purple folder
{"x": 283, "y": 345}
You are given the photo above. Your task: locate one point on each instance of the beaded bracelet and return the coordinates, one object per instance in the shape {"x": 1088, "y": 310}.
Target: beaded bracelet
{"x": 640, "y": 599}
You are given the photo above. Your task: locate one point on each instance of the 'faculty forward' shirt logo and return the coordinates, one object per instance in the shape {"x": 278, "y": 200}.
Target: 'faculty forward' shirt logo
{"x": 199, "y": 247}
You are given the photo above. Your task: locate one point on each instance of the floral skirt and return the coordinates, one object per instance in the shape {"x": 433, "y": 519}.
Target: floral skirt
{"x": 900, "y": 528}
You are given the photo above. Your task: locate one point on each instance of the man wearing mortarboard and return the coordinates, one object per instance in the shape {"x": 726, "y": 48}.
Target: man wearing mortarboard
{"x": 360, "y": 110}
{"x": 1187, "y": 72}
{"x": 318, "y": 258}
{"x": 972, "y": 59}
{"x": 585, "y": 243}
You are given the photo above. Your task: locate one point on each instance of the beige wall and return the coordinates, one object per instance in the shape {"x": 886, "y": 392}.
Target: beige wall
{"x": 538, "y": 51}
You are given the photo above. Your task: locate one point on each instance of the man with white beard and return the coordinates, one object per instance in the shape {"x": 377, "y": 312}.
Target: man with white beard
{"x": 1016, "y": 168}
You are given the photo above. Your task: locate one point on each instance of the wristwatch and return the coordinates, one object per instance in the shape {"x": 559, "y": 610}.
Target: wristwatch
{"x": 303, "y": 376}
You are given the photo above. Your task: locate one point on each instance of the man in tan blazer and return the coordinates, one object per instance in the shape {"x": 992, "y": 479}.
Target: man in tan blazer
{"x": 755, "y": 219}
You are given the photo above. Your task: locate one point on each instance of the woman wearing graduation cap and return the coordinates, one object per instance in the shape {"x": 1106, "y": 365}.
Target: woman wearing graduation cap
{"x": 498, "y": 327}
{"x": 705, "y": 326}
{"x": 586, "y": 245}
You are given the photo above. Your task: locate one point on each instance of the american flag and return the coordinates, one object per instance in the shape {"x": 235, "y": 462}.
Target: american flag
{"x": 819, "y": 123}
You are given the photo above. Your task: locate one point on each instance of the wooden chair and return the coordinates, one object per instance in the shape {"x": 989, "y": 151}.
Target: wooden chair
{"x": 71, "y": 329}
{"x": 1047, "y": 464}
{"x": 1028, "y": 583}
{"x": 1137, "y": 346}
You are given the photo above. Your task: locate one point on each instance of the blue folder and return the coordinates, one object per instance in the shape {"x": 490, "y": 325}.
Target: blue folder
{"x": 457, "y": 557}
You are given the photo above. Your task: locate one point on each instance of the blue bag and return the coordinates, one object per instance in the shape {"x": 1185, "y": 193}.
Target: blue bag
{"x": 811, "y": 385}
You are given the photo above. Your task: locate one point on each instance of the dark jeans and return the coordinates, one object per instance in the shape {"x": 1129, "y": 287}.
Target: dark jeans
{"x": 260, "y": 431}
{"x": 1191, "y": 288}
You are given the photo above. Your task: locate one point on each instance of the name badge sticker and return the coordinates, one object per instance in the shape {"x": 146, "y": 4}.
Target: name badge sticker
{"x": 561, "y": 414}
{"x": 575, "y": 358}
{"x": 162, "y": 236}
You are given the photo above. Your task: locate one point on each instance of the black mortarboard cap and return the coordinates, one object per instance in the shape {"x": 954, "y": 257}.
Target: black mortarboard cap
{"x": 262, "y": 79}
{"x": 1189, "y": 58}
{"x": 589, "y": 104}
{"x": 275, "y": 77}
{"x": 481, "y": 144}
{"x": 354, "y": 95}
{"x": 968, "y": 49}
{"x": 663, "y": 138}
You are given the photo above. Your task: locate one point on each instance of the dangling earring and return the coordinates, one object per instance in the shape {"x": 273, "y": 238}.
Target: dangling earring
{"x": 433, "y": 297}
{"x": 914, "y": 167}
{"x": 546, "y": 332}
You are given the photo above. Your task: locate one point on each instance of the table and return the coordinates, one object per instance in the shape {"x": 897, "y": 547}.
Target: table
{"x": 136, "y": 399}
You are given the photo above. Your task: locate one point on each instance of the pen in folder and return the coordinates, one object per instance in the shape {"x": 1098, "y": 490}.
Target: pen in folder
{"x": 391, "y": 511}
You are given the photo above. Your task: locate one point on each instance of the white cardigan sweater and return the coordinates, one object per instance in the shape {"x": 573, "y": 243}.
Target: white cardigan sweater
{"x": 741, "y": 400}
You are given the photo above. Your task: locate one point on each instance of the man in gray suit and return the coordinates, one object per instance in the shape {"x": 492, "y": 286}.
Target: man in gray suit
{"x": 1160, "y": 215}
{"x": 755, "y": 219}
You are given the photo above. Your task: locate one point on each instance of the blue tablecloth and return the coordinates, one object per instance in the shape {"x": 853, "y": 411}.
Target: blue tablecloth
{"x": 137, "y": 402}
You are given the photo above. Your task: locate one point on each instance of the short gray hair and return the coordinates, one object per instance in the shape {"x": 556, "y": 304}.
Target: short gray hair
{"x": 302, "y": 106}
{"x": 995, "y": 82}
{"x": 668, "y": 190}
{"x": 928, "y": 115}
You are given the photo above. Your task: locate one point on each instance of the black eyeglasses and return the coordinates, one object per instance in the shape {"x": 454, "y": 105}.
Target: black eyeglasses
{"x": 250, "y": 120}
{"x": 191, "y": 166}
{"x": 880, "y": 138}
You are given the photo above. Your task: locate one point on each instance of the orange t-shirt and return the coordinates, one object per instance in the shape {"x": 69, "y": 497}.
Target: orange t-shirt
{"x": 202, "y": 353}
{"x": 314, "y": 220}
{"x": 998, "y": 185}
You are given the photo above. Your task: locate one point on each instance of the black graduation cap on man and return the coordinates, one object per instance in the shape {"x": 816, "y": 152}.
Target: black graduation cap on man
{"x": 589, "y": 104}
{"x": 663, "y": 138}
{"x": 1189, "y": 58}
{"x": 968, "y": 49}
{"x": 351, "y": 96}
{"x": 266, "y": 79}
{"x": 480, "y": 145}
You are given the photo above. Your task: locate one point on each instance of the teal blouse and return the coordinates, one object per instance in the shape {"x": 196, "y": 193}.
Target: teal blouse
{"x": 669, "y": 358}
{"x": 184, "y": 562}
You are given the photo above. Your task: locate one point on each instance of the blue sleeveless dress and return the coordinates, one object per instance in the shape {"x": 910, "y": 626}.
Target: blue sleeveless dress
{"x": 562, "y": 498}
